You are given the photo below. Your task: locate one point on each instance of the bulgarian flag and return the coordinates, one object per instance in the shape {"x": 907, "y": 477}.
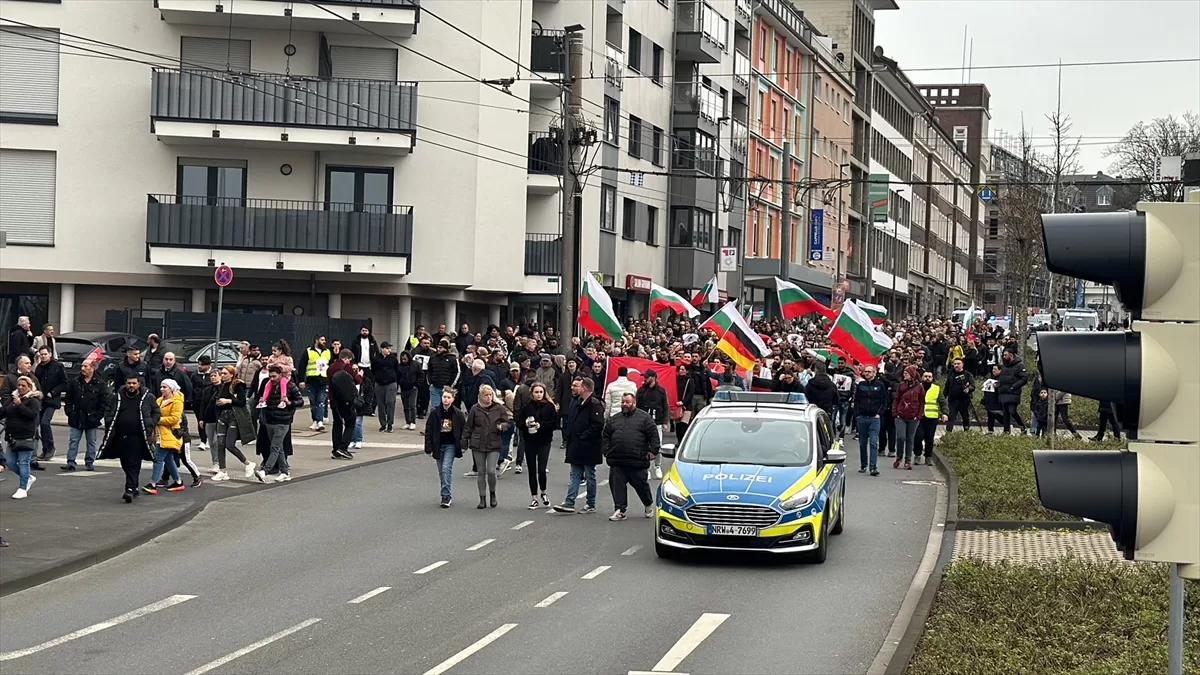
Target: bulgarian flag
{"x": 878, "y": 313}
{"x": 664, "y": 298}
{"x": 708, "y": 294}
{"x": 794, "y": 302}
{"x": 737, "y": 340}
{"x": 854, "y": 332}
{"x": 596, "y": 314}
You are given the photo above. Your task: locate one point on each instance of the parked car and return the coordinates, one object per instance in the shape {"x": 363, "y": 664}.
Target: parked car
{"x": 189, "y": 350}
{"x": 74, "y": 347}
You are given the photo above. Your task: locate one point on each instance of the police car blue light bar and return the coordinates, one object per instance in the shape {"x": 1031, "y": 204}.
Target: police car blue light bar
{"x": 788, "y": 398}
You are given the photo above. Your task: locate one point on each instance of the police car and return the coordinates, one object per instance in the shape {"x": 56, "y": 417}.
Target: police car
{"x": 755, "y": 472}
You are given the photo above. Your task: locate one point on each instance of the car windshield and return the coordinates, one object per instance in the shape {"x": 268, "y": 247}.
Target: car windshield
{"x": 72, "y": 350}
{"x": 748, "y": 439}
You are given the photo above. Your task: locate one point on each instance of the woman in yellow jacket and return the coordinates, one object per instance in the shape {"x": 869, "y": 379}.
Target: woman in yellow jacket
{"x": 955, "y": 352}
{"x": 169, "y": 437}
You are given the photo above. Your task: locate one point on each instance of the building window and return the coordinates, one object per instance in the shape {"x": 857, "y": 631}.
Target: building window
{"x": 635, "y": 136}
{"x": 608, "y": 208}
{"x": 29, "y": 75}
{"x": 656, "y": 72}
{"x": 634, "y": 50}
{"x": 363, "y": 63}
{"x": 691, "y": 228}
{"x": 652, "y": 225}
{"x": 364, "y": 189}
{"x": 629, "y": 219}
{"x": 696, "y": 151}
{"x": 27, "y": 196}
{"x": 198, "y": 53}
{"x": 211, "y": 181}
{"x": 1104, "y": 196}
{"x": 612, "y": 121}
{"x": 656, "y": 141}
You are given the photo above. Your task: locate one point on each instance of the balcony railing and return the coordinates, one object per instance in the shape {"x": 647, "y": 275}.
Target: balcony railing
{"x": 692, "y": 97}
{"x": 545, "y": 153}
{"x": 278, "y": 225}
{"x": 741, "y": 68}
{"x": 210, "y": 96}
{"x": 614, "y": 60}
{"x": 744, "y": 8}
{"x": 739, "y": 136}
{"x": 546, "y": 51}
{"x": 543, "y": 254}
{"x": 694, "y": 16}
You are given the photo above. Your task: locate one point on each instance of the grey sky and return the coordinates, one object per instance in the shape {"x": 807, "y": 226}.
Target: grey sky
{"x": 1103, "y": 101}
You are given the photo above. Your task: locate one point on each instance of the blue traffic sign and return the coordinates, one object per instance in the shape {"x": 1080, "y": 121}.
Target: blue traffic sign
{"x": 987, "y": 195}
{"x": 223, "y": 276}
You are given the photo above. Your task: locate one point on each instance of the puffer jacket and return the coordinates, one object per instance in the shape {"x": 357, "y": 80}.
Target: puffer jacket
{"x": 443, "y": 370}
{"x": 616, "y": 390}
{"x": 170, "y": 416}
{"x": 629, "y": 438}
{"x": 910, "y": 401}
{"x": 485, "y": 426}
{"x": 1013, "y": 378}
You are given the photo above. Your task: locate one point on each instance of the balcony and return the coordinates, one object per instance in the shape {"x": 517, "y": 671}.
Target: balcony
{"x": 389, "y": 18}
{"x": 744, "y": 13}
{"x": 696, "y": 106}
{"x": 547, "y": 58}
{"x": 192, "y": 107}
{"x": 741, "y": 74}
{"x": 545, "y": 162}
{"x": 279, "y": 234}
{"x": 614, "y": 67}
{"x": 699, "y": 33}
{"x": 739, "y": 137}
{"x": 543, "y": 255}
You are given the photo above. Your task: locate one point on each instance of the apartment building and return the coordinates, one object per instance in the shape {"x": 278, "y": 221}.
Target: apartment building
{"x": 964, "y": 110}
{"x": 290, "y": 141}
{"x": 829, "y": 244}
{"x": 894, "y": 110}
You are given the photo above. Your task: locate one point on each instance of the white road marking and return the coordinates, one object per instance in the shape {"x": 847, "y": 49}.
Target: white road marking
{"x": 651, "y": 672}
{"x": 632, "y": 549}
{"x": 466, "y": 653}
{"x": 525, "y": 523}
{"x": 480, "y": 545}
{"x": 97, "y": 627}
{"x": 213, "y": 665}
{"x": 601, "y": 483}
{"x": 314, "y": 442}
{"x": 86, "y": 474}
{"x": 430, "y": 568}
{"x": 367, "y": 596}
{"x": 704, "y": 626}
{"x": 551, "y": 599}
{"x": 596, "y": 572}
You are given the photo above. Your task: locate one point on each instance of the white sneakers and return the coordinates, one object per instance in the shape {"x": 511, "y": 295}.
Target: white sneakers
{"x": 219, "y": 476}
{"x": 203, "y": 445}
{"x": 658, "y": 473}
{"x": 357, "y": 445}
{"x": 411, "y": 427}
{"x": 249, "y": 469}
{"x": 23, "y": 493}
{"x": 282, "y": 478}
{"x": 261, "y": 476}
{"x": 214, "y": 469}
{"x": 313, "y": 427}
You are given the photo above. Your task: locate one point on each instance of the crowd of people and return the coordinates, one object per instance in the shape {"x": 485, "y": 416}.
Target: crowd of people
{"x": 498, "y": 396}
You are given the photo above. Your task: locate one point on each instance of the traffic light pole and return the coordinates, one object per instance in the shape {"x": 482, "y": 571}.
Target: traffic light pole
{"x": 1175, "y": 624}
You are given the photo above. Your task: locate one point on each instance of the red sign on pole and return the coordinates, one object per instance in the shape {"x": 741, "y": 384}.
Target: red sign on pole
{"x": 223, "y": 276}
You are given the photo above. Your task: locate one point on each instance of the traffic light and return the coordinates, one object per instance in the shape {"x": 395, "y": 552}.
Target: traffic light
{"x": 1149, "y": 494}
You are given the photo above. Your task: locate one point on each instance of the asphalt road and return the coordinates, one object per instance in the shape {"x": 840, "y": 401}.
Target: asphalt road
{"x": 266, "y": 583}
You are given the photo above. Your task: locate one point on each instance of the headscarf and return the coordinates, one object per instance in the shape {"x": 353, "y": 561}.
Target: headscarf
{"x": 170, "y": 384}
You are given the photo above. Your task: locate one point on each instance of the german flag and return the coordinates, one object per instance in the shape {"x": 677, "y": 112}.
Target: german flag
{"x": 737, "y": 340}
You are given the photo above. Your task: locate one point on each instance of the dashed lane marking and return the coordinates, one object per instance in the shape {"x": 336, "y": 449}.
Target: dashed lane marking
{"x": 429, "y": 568}
{"x": 699, "y": 632}
{"x": 97, "y": 627}
{"x": 368, "y": 595}
{"x": 596, "y": 572}
{"x": 466, "y": 653}
{"x": 525, "y": 523}
{"x": 213, "y": 665}
{"x": 480, "y": 545}
{"x": 551, "y": 599}
{"x": 632, "y": 549}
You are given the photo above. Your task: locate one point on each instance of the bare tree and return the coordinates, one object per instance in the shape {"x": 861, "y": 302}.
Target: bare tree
{"x": 1135, "y": 157}
{"x": 1022, "y": 201}
{"x": 1064, "y": 161}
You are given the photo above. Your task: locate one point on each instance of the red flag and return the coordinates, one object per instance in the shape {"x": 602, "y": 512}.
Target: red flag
{"x": 637, "y": 370}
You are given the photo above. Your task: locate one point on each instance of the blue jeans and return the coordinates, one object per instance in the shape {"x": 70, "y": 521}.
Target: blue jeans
{"x": 579, "y": 473}
{"x": 164, "y": 457}
{"x": 93, "y": 445}
{"x": 21, "y": 457}
{"x": 445, "y": 467}
{"x": 358, "y": 429}
{"x": 435, "y": 397}
{"x": 317, "y": 400}
{"x": 868, "y": 442}
{"x": 506, "y": 443}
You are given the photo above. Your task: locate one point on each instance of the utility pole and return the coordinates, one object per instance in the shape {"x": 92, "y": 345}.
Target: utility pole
{"x": 568, "y": 283}
{"x": 785, "y": 220}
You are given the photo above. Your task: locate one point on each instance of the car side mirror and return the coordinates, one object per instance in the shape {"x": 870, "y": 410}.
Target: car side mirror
{"x": 667, "y": 450}
{"x": 835, "y": 456}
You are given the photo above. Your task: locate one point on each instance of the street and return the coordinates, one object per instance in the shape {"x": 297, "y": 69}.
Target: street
{"x": 361, "y": 572}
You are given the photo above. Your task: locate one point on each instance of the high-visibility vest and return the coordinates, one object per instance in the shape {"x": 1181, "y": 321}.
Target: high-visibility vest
{"x": 932, "y": 411}
{"x": 312, "y": 369}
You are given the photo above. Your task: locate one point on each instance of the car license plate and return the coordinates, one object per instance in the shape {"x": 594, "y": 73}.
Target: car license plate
{"x": 734, "y": 530}
{"x": 67, "y": 364}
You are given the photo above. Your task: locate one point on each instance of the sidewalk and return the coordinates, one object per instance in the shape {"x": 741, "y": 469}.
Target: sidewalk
{"x": 73, "y": 520}
{"x": 1027, "y": 547}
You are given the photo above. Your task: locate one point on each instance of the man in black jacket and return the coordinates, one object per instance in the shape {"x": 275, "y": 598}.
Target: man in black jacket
{"x": 20, "y": 340}
{"x": 386, "y": 369}
{"x": 582, "y": 433}
{"x": 86, "y": 403}
{"x": 421, "y": 355}
{"x": 443, "y": 371}
{"x": 169, "y": 369}
{"x": 129, "y": 427}
{"x": 53, "y": 381}
{"x": 821, "y": 391}
{"x": 960, "y": 390}
{"x": 1013, "y": 378}
{"x": 871, "y": 398}
{"x": 119, "y": 372}
{"x": 365, "y": 350}
{"x": 629, "y": 441}
{"x": 277, "y": 416}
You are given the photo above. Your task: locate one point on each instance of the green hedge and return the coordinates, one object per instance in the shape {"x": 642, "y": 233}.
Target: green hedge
{"x": 1064, "y": 616}
{"x": 995, "y": 474}
{"x": 1084, "y": 411}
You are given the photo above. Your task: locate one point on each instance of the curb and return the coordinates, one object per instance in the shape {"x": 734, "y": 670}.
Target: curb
{"x": 1080, "y": 525}
{"x": 86, "y": 560}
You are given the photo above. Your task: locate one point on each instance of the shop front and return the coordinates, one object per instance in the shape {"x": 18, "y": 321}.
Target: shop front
{"x": 637, "y": 289}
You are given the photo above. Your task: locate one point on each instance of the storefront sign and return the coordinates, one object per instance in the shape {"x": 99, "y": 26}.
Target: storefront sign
{"x": 638, "y": 284}
{"x": 816, "y": 236}
{"x": 723, "y": 295}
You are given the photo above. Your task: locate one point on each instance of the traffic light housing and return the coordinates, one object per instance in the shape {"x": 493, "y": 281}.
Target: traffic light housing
{"x": 1149, "y": 494}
